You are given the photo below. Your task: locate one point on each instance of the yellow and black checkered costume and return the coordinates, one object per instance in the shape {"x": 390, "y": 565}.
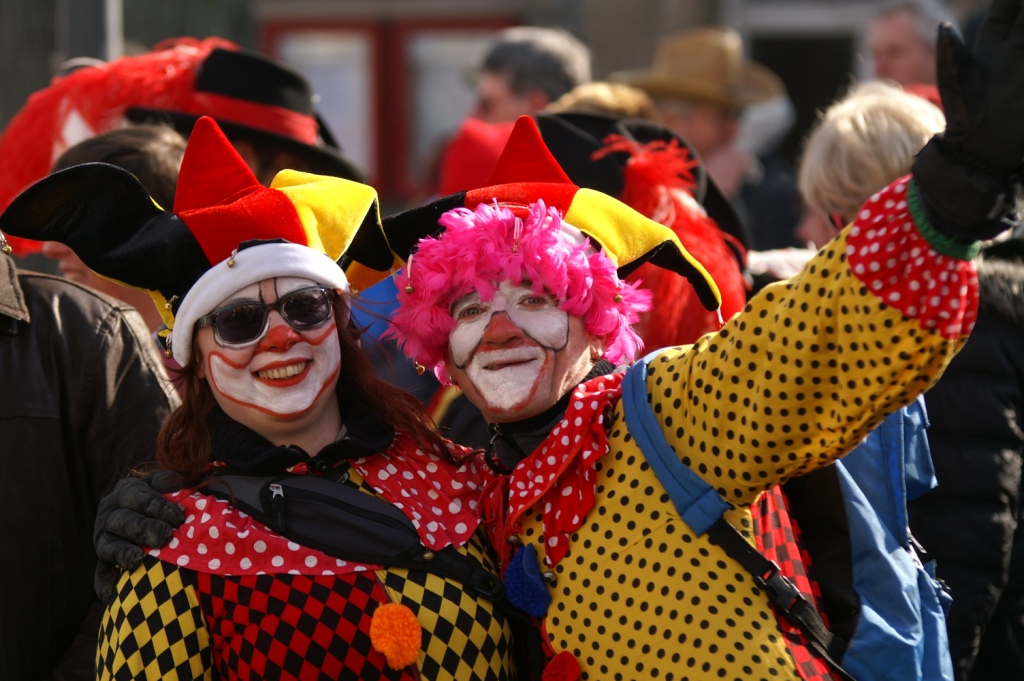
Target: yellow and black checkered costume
{"x": 169, "y": 622}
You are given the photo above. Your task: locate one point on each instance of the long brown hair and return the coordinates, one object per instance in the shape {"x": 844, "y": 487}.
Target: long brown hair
{"x": 184, "y": 443}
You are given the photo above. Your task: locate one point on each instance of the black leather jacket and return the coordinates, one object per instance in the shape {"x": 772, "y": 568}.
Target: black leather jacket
{"x": 84, "y": 394}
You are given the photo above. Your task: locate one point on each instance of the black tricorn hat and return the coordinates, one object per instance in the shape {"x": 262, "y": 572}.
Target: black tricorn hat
{"x": 264, "y": 100}
{"x": 573, "y": 137}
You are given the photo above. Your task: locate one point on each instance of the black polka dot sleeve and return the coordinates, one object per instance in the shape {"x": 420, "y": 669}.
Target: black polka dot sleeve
{"x": 814, "y": 363}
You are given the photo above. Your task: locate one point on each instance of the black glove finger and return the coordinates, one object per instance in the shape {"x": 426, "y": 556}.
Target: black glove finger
{"x": 165, "y": 481}
{"x": 1000, "y": 19}
{"x": 136, "y": 528}
{"x": 115, "y": 550}
{"x": 133, "y": 493}
{"x": 137, "y": 495}
{"x": 105, "y": 582}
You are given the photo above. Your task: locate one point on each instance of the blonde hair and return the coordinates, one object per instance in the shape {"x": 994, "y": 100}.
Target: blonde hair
{"x": 861, "y": 144}
{"x": 602, "y": 97}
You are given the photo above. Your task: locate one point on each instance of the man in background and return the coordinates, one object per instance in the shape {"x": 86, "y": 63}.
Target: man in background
{"x": 702, "y": 83}
{"x": 525, "y": 69}
{"x": 84, "y": 396}
{"x": 902, "y": 40}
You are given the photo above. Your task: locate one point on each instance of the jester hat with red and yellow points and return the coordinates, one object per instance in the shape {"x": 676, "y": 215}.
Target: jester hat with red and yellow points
{"x": 226, "y": 232}
{"x": 531, "y": 223}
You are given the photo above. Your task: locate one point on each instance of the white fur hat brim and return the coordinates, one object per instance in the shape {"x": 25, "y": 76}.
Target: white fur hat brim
{"x": 248, "y": 266}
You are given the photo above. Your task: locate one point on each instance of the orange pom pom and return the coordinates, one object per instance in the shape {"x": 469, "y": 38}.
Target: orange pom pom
{"x": 395, "y": 632}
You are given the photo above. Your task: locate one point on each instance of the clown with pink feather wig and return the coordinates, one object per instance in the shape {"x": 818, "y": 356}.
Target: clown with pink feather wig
{"x": 515, "y": 292}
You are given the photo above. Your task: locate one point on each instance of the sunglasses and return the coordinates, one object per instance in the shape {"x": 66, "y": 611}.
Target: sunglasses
{"x": 242, "y": 323}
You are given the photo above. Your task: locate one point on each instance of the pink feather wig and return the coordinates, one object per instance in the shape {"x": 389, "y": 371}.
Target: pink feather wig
{"x": 481, "y": 248}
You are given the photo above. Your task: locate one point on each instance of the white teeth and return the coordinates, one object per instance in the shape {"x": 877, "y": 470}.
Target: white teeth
{"x": 282, "y": 372}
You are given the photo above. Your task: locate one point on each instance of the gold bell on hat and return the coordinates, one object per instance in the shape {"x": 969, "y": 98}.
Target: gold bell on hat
{"x": 408, "y": 274}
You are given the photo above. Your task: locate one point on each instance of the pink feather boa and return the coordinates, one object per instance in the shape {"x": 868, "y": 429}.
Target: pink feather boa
{"x": 483, "y": 247}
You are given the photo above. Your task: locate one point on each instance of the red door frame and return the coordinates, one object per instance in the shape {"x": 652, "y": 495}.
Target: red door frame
{"x": 390, "y": 122}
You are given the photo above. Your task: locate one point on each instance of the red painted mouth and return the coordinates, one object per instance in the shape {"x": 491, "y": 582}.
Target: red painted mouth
{"x": 283, "y": 374}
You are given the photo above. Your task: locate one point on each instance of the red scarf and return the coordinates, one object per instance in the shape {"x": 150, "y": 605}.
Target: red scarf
{"x": 559, "y": 473}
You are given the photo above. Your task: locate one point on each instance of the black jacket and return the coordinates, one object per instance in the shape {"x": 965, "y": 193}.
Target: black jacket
{"x": 977, "y": 440}
{"x": 84, "y": 394}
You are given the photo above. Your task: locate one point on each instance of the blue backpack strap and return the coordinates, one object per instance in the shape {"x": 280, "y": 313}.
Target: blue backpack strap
{"x": 703, "y": 509}
{"x": 697, "y": 502}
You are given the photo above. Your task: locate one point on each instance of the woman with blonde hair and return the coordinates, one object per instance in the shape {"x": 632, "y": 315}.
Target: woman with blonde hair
{"x": 862, "y": 143}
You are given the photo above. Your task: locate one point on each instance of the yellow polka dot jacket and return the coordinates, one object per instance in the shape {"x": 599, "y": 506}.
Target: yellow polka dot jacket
{"x": 790, "y": 384}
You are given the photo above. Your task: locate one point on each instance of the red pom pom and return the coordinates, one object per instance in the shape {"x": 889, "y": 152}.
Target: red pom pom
{"x": 562, "y": 667}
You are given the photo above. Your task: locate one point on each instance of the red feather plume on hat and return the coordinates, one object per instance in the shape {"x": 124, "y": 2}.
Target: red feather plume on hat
{"x": 658, "y": 183}
{"x": 89, "y": 101}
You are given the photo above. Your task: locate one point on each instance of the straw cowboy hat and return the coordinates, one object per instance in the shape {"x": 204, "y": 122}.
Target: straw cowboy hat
{"x": 705, "y": 65}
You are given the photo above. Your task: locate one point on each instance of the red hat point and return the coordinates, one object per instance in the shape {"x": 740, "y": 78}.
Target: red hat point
{"x": 211, "y": 170}
{"x": 526, "y": 158}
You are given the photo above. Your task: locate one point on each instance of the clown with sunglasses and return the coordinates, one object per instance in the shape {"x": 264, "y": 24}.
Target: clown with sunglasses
{"x": 255, "y": 284}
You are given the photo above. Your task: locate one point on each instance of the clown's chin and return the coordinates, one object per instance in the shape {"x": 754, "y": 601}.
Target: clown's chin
{"x": 509, "y": 387}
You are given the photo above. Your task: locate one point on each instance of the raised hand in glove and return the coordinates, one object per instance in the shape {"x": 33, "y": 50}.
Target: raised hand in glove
{"x": 968, "y": 176}
{"x": 134, "y": 513}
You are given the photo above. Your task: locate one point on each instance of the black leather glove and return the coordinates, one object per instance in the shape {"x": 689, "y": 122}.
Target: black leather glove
{"x": 135, "y": 512}
{"x": 968, "y": 176}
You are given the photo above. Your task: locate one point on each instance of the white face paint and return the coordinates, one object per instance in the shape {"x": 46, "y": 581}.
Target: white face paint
{"x": 536, "y": 314}
{"x": 507, "y": 377}
{"x": 511, "y": 354}
{"x": 283, "y": 373}
{"x": 284, "y": 386}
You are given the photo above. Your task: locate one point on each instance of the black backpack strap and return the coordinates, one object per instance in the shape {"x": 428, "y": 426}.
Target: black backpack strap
{"x": 346, "y": 523}
{"x": 702, "y": 508}
{"x": 782, "y": 593}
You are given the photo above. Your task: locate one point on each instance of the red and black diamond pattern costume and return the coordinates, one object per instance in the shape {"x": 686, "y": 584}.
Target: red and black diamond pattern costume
{"x": 230, "y": 599}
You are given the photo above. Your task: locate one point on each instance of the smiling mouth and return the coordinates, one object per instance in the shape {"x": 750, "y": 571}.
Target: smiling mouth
{"x": 285, "y": 372}
{"x": 507, "y": 363}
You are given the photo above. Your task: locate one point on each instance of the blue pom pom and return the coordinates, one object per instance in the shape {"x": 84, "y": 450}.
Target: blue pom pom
{"x": 524, "y": 585}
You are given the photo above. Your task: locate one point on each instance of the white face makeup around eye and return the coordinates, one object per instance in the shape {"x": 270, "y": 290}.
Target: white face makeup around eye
{"x": 537, "y": 315}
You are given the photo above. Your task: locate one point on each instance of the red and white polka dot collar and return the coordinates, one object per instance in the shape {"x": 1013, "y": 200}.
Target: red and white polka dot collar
{"x": 438, "y": 497}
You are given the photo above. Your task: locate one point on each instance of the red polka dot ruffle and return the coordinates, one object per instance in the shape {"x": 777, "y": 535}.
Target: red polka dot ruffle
{"x": 439, "y": 498}
{"x": 219, "y": 539}
{"x": 887, "y": 253}
{"x": 559, "y": 474}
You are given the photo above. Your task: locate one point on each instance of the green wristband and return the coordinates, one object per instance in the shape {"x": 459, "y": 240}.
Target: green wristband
{"x": 936, "y": 239}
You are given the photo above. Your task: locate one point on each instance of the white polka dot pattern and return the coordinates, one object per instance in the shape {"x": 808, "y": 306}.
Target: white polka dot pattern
{"x": 219, "y": 539}
{"x": 887, "y": 253}
{"x": 440, "y": 499}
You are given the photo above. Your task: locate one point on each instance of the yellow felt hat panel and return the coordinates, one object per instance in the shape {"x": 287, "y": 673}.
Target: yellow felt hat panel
{"x": 628, "y": 237}
{"x": 331, "y": 209}
{"x": 624, "y": 233}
